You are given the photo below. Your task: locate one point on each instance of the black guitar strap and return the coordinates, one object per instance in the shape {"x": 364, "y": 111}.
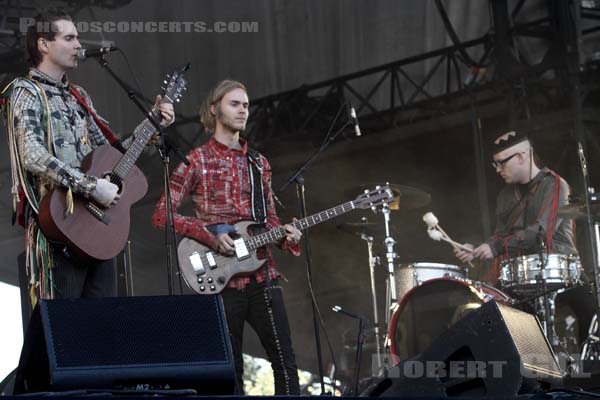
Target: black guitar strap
{"x": 259, "y": 209}
{"x": 259, "y": 206}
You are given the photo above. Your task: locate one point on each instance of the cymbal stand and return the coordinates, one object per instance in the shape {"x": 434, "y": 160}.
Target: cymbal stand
{"x": 373, "y": 261}
{"x": 391, "y": 292}
{"x": 591, "y": 346}
{"x": 545, "y": 306}
{"x": 545, "y": 303}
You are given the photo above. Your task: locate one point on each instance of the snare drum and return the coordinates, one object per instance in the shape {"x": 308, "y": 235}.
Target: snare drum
{"x": 410, "y": 275}
{"x": 525, "y": 274}
{"x": 428, "y": 310}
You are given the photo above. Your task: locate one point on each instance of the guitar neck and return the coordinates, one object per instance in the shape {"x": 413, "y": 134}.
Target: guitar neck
{"x": 134, "y": 151}
{"x": 277, "y": 234}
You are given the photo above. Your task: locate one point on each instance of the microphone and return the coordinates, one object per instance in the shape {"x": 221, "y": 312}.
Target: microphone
{"x": 83, "y": 54}
{"x": 340, "y": 310}
{"x": 355, "y": 121}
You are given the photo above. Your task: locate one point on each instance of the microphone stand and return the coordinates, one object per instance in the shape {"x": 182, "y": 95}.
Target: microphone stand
{"x": 170, "y": 234}
{"x": 372, "y": 264}
{"x": 594, "y": 232}
{"x": 163, "y": 151}
{"x": 360, "y": 339}
{"x": 298, "y": 178}
{"x": 594, "y": 235}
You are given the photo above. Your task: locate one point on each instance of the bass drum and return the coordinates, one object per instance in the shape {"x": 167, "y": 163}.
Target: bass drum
{"x": 428, "y": 310}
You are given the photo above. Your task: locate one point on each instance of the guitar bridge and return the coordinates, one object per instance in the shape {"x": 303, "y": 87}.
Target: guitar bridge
{"x": 98, "y": 213}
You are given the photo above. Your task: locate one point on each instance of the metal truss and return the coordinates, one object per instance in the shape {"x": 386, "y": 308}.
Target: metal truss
{"x": 494, "y": 67}
{"x": 372, "y": 92}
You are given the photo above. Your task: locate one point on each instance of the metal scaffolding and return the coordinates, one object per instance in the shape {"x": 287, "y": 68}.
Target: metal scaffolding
{"x": 496, "y": 67}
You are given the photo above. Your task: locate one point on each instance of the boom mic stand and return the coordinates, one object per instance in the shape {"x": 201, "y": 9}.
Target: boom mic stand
{"x": 360, "y": 340}
{"x": 298, "y": 178}
{"x": 164, "y": 154}
{"x": 594, "y": 228}
{"x": 572, "y": 32}
{"x": 588, "y": 191}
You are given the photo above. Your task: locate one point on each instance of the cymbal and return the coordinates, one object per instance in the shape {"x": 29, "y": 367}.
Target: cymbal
{"x": 361, "y": 224}
{"x": 357, "y": 228}
{"x": 405, "y": 197}
{"x": 577, "y": 210}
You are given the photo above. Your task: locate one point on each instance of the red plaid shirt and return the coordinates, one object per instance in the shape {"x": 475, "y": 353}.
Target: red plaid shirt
{"x": 219, "y": 183}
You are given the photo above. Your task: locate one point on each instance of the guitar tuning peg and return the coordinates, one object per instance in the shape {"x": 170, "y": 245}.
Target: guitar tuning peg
{"x": 177, "y": 100}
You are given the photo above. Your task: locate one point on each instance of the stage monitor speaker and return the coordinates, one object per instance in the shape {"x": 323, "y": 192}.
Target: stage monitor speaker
{"x": 128, "y": 343}
{"x": 494, "y": 350}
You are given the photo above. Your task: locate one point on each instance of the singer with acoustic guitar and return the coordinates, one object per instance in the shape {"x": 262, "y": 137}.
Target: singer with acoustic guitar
{"x": 52, "y": 126}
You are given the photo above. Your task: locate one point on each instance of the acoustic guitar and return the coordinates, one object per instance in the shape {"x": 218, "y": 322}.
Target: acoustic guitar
{"x": 91, "y": 230}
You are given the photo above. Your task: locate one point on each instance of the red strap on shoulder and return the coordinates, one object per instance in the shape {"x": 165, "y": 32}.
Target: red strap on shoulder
{"x": 106, "y": 131}
{"x": 553, "y": 212}
{"x": 19, "y": 213}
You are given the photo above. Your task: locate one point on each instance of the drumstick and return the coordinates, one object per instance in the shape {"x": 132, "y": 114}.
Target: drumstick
{"x": 438, "y": 235}
{"x": 433, "y": 223}
{"x": 456, "y": 244}
{"x": 441, "y": 230}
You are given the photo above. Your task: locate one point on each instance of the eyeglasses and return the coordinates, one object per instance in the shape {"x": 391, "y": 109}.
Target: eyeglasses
{"x": 500, "y": 163}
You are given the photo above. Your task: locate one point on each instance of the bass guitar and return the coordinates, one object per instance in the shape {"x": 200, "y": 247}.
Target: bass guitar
{"x": 207, "y": 272}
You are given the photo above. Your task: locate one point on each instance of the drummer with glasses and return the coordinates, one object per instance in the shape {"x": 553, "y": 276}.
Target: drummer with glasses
{"x": 526, "y": 208}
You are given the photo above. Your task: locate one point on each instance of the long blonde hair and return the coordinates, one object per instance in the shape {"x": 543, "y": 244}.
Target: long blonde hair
{"x": 207, "y": 118}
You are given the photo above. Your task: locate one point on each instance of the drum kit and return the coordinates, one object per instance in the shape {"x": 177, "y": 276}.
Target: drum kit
{"x": 424, "y": 299}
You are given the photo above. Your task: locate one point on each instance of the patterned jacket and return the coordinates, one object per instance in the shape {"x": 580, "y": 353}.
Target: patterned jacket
{"x": 53, "y": 136}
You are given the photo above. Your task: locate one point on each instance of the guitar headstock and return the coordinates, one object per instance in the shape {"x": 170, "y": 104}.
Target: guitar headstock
{"x": 373, "y": 198}
{"x": 174, "y": 86}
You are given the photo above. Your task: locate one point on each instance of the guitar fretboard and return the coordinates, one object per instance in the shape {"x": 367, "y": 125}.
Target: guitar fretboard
{"x": 276, "y": 234}
{"x": 135, "y": 150}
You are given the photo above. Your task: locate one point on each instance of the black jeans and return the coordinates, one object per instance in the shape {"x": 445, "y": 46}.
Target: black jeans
{"x": 75, "y": 278}
{"x": 270, "y": 323}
